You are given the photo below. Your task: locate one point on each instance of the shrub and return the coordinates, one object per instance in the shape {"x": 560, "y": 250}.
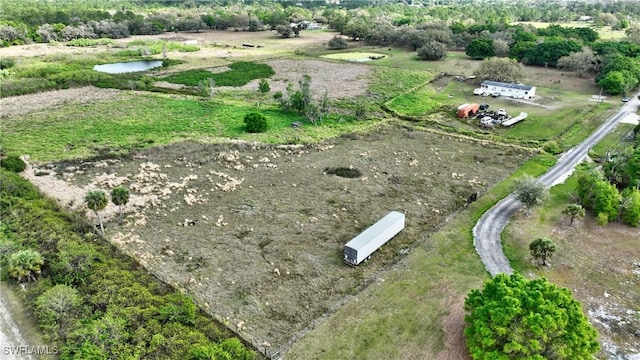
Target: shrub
{"x": 13, "y": 163}
{"x": 264, "y": 86}
{"x": 603, "y": 219}
{"x": 255, "y": 123}
{"x": 432, "y": 51}
{"x": 344, "y": 172}
{"x": 552, "y": 148}
{"x": 6, "y": 63}
{"x": 337, "y": 43}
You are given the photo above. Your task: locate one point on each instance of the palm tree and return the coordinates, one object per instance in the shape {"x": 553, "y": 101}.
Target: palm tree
{"x": 97, "y": 200}
{"x": 541, "y": 249}
{"x": 120, "y": 197}
{"x": 25, "y": 264}
{"x": 576, "y": 211}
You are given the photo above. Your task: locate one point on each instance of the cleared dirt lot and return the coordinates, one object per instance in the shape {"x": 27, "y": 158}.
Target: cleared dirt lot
{"x": 256, "y": 233}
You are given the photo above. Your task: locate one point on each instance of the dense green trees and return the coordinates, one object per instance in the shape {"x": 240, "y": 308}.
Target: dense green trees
{"x": 93, "y": 301}
{"x": 548, "y": 52}
{"x": 500, "y": 69}
{"x": 600, "y": 195}
{"x": 515, "y": 318}
{"x": 619, "y": 75}
{"x": 13, "y": 163}
{"x": 480, "y": 48}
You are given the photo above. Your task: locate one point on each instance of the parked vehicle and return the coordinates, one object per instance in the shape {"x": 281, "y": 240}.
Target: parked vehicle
{"x": 625, "y": 99}
{"x": 484, "y": 106}
{"x": 361, "y": 247}
{"x": 501, "y": 112}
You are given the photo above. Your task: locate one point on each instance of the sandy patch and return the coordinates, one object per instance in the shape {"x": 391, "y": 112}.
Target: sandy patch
{"x": 453, "y": 326}
{"x": 24, "y": 104}
{"x": 338, "y": 80}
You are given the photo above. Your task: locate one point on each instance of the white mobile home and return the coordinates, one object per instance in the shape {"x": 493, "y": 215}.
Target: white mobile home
{"x": 362, "y": 246}
{"x": 518, "y": 91}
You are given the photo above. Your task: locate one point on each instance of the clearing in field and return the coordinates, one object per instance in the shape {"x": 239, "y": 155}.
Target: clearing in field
{"x": 256, "y": 233}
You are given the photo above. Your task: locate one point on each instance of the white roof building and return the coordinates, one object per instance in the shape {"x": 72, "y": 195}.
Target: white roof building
{"x": 517, "y": 91}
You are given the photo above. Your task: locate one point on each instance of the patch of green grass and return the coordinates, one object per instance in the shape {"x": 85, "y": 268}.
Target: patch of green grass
{"x": 140, "y": 121}
{"x": 90, "y": 42}
{"x": 390, "y": 82}
{"x": 415, "y": 103}
{"x": 613, "y": 141}
{"x": 240, "y": 74}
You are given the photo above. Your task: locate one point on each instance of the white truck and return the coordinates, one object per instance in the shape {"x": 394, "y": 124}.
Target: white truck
{"x": 361, "y": 247}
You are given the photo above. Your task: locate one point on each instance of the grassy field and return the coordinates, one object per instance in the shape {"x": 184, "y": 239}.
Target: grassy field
{"x": 417, "y": 306}
{"x": 135, "y": 121}
{"x": 291, "y": 217}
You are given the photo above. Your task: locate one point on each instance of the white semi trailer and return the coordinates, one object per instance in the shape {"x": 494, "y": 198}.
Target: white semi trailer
{"x": 362, "y": 246}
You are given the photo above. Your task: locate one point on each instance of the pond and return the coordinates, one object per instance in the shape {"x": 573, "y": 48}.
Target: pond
{"x": 128, "y": 67}
{"x": 355, "y": 56}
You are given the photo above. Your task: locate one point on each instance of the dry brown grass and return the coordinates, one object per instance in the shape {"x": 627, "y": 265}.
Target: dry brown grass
{"x": 268, "y": 253}
{"x": 600, "y": 265}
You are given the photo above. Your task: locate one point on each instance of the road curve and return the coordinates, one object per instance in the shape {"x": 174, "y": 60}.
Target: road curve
{"x": 486, "y": 232}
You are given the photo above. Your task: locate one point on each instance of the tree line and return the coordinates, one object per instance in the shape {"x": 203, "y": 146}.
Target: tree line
{"x": 90, "y": 300}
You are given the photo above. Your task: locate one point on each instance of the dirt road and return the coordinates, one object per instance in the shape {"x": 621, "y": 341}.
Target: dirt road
{"x": 11, "y": 337}
{"x": 486, "y": 233}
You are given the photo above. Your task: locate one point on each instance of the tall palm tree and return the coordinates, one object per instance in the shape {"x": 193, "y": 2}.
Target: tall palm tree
{"x": 120, "y": 197}
{"x": 97, "y": 200}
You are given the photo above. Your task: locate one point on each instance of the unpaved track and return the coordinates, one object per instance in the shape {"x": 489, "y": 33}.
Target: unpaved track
{"x": 486, "y": 233}
{"x": 10, "y": 335}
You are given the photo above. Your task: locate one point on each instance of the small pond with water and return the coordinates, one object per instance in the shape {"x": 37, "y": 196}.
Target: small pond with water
{"x": 128, "y": 67}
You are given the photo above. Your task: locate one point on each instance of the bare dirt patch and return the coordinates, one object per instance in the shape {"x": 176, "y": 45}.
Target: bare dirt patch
{"x": 337, "y": 80}
{"x": 20, "y": 105}
{"x": 601, "y": 266}
{"x": 453, "y": 326}
{"x": 256, "y": 232}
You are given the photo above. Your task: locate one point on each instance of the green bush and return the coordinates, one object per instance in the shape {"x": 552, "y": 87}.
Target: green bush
{"x": 264, "y": 86}
{"x": 337, "y": 43}
{"x": 90, "y": 42}
{"x": 602, "y": 219}
{"x": 552, "y": 148}
{"x": 6, "y": 63}
{"x": 13, "y": 163}
{"x": 255, "y": 123}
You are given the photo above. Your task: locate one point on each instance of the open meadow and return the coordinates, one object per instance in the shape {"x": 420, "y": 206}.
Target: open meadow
{"x": 253, "y": 225}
